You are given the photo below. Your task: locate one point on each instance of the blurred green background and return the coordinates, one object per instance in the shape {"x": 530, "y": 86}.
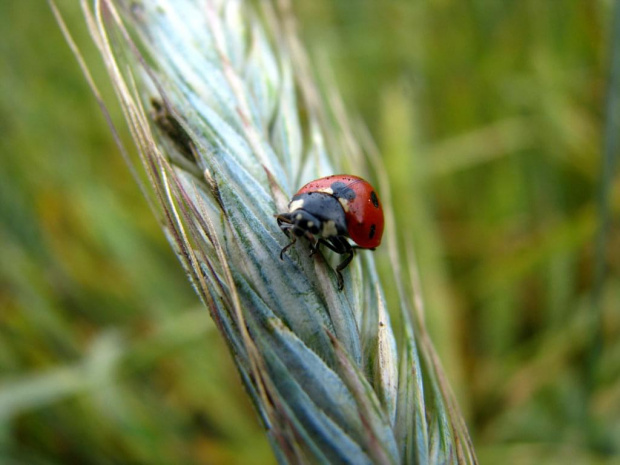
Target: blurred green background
{"x": 490, "y": 117}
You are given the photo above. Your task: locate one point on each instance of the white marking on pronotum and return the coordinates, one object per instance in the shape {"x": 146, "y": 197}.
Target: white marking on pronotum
{"x": 345, "y": 203}
{"x": 326, "y": 190}
{"x": 295, "y": 205}
{"x": 329, "y": 229}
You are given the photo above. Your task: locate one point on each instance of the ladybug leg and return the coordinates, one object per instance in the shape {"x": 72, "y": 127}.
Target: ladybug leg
{"x": 287, "y": 228}
{"x": 287, "y": 246}
{"x": 295, "y": 233}
{"x": 314, "y": 248}
{"x": 341, "y": 246}
{"x": 341, "y": 266}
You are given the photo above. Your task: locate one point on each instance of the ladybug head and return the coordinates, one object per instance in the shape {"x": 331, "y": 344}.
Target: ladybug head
{"x": 300, "y": 223}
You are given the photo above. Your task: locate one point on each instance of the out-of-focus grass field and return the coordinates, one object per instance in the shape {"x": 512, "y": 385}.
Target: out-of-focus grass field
{"x": 489, "y": 116}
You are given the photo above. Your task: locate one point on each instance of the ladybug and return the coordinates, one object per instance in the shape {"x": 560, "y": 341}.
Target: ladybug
{"x": 329, "y": 210}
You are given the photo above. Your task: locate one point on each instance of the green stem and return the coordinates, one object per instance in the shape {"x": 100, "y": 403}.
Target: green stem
{"x": 611, "y": 139}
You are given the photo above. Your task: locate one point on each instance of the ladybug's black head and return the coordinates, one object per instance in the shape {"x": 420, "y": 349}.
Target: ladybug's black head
{"x": 300, "y": 223}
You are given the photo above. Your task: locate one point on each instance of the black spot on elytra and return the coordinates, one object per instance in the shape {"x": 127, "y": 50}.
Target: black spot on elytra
{"x": 373, "y": 228}
{"x": 342, "y": 191}
{"x": 374, "y": 199}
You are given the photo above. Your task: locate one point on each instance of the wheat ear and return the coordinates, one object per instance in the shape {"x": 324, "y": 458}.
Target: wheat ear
{"x": 228, "y": 122}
